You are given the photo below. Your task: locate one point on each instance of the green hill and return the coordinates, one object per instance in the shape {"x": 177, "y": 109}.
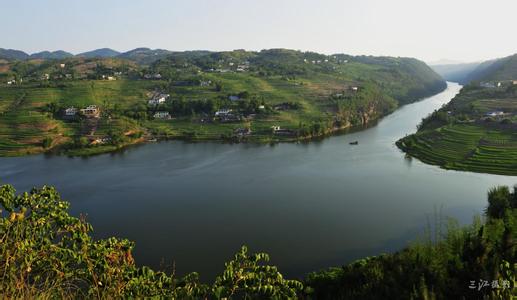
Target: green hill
{"x": 60, "y": 54}
{"x": 144, "y": 55}
{"x": 99, "y": 53}
{"x": 236, "y": 96}
{"x": 11, "y": 54}
{"x": 474, "y": 132}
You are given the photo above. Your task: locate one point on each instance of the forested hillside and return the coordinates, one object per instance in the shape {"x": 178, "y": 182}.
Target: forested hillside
{"x": 491, "y": 70}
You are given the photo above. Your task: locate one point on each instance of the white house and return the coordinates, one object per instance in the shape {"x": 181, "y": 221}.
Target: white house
{"x": 159, "y": 99}
{"x": 71, "y": 111}
{"x": 223, "y": 112}
{"x": 496, "y": 113}
{"x": 205, "y": 83}
{"x": 91, "y": 111}
{"x": 164, "y": 115}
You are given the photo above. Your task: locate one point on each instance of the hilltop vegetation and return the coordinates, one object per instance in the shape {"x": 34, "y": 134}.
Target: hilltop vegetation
{"x": 476, "y": 131}
{"x": 268, "y": 96}
{"x": 46, "y": 253}
{"x": 99, "y": 53}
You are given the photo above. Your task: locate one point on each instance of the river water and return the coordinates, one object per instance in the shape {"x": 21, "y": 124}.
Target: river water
{"x": 309, "y": 206}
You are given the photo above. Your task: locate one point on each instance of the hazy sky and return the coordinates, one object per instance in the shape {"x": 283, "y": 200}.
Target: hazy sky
{"x": 463, "y": 30}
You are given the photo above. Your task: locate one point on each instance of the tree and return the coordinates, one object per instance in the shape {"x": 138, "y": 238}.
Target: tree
{"x": 498, "y": 202}
{"x": 245, "y": 277}
{"x": 47, "y": 253}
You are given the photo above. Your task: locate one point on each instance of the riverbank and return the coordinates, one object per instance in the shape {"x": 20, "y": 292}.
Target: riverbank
{"x": 259, "y": 131}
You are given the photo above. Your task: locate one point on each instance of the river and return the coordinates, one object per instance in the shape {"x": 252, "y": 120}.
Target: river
{"x": 310, "y": 206}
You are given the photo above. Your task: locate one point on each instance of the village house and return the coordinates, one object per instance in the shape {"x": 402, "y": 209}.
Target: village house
{"x": 242, "y": 131}
{"x": 62, "y": 66}
{"x": 10, "y": 82}
{"x": 162, "y": 115}
{"x": 222, "y": 112}
{"x": 514, "y": 82}
{"x": 487, "y": 85}
{"x": 234, "y": 98}
{"x": 70, "y": 112}
{"x": 108, "y": 77}
{"x": 229, "y": 118}
{"x": 91, "y": 111}
{"x": 45, "y": 76}
{"x": 225, "y": 116}
{"x": 205, "y": 83}
{"x": 279, "y": 131}
{"x": 493, "y": 114}
{"x": 159, "y": 99}
{"x": 100, "y": 141}
{"x": 153, "y": 76}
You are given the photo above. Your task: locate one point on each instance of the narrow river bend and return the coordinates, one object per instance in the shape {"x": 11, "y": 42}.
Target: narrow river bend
{"x": 309, "y": 206}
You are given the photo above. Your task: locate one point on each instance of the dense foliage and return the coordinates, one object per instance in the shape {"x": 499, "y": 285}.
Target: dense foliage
{"x": 45, "y": 252}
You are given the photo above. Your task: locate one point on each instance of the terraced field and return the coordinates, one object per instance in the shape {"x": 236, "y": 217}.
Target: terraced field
{"x": 478, "y": 145}
{"x": 25, "y": 124}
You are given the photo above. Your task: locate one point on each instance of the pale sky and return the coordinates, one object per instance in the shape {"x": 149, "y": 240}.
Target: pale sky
{"x": 431, "y": 30}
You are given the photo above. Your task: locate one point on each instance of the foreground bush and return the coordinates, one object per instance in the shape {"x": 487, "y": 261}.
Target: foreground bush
{"x": 45, "y": 252}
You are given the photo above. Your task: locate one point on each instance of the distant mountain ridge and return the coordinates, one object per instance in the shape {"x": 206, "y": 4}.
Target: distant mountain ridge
{"x": 491, "y": 70}
{"x": 59, "y": 54}
{"x": 138, "y": 55}
{"x": 12, "y": 54}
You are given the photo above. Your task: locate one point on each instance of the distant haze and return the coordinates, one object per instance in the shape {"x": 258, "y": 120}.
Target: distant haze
{"x": 460, "y": 30}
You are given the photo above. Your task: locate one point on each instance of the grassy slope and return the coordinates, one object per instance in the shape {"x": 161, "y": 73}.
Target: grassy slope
{"x": 24, "y": 124}
{"x": 463, "y": 140}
